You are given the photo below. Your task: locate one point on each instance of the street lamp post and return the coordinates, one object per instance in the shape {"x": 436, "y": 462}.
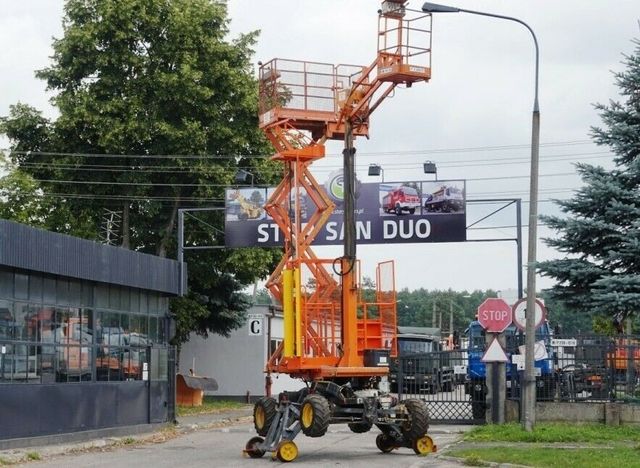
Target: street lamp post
{"x": 529, "y": 401}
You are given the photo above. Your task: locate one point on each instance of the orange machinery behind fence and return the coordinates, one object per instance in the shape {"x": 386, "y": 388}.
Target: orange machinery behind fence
{"x": 626, "y": 355}
{"x": 301, "y": 105}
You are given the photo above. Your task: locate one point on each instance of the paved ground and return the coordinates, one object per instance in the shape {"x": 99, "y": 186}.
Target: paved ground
{"x": 218, "y": 439}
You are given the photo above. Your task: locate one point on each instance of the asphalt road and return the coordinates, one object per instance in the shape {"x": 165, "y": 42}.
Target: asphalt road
{"x": 223, "y": 448}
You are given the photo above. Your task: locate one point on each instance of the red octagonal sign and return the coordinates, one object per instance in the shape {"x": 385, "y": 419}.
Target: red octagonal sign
{"x": 494, "y": 315}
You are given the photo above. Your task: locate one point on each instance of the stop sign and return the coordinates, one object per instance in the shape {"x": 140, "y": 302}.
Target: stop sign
{"x": 494, "y": 315}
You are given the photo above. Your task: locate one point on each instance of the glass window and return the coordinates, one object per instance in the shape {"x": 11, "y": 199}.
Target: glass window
{"x": 75, "y": 292}
{"x": 109, "y": 332}
{"x": 154, "y": 303}
{"x": 108, "y": 364}
{"x": 153, "y": 330}
{"x": 40, "y": 323}
{"x": 21, "y": 289}
{"x": 49, "y": 290}
{"x": 87, "y": 293}
{"x": 6, "y": 283}
{"x": 21, "y": 316}
{"x": 101, "y": 296}
{"x": 6, "y": 320}
{"x": 114, "y": 298}
{"x": 144, "y": 304}
{"x": 62, "y": 291}
{"x": 134, "y": 305}
{"x": 47, "y": 363}
{"x": 164, "y": 305}
{"x": 86, "y": 319}
{"x": 19, "y": 363}
{"x": 73, "y": 363}
{"x": 132, "y": 359}
{"x": 162, "y": 324}
{"x": 158, "y": 364}
{"x": 125, "y": 325}
{"x": 125, "y": 299}
{"x": 35, "y": 288}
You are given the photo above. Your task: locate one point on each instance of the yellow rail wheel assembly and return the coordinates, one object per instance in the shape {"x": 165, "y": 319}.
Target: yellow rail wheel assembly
{"x": 286, "y": 451}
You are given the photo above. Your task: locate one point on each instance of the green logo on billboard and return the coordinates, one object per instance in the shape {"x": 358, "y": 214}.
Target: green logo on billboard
{"x": 335, "y": 186}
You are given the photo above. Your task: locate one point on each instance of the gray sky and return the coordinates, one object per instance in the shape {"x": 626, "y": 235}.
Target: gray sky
{"x": 480, "y": 96}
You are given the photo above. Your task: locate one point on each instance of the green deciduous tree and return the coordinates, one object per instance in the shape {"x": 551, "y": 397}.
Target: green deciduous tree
{"x": 600, "y": 231}
{"x": 154, "y": 101}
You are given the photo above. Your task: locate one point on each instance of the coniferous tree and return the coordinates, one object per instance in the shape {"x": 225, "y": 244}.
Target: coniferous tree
{"x": 600, "y": 232}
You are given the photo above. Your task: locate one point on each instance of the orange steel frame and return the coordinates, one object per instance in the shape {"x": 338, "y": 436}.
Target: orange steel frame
{"x": 301, "y": 105}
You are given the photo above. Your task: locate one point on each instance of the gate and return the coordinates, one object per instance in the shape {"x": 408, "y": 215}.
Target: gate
{"x": 440, "y": 379}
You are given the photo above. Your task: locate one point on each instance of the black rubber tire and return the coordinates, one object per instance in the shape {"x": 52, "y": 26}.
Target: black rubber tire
{"x": 251, "y": 449}
{"x": 385, "y": 443}
{"x": 398, "y": 210}
{"x": 418, "y": 423}
{"x": 269, "y": 408}
{"x": 412, "y": 210}
{"x": 360, "y": 427}
{"x": 478, "y": 410}
{"x": 320, "y": 415}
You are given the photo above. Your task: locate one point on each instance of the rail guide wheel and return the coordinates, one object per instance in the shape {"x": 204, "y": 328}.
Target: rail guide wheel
{"x": 286, "y": 451}
{"x": 424, "y": 445}
{"x": 252, "y": 448}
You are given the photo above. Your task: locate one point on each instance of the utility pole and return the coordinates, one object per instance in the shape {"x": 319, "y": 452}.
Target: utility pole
{"x": 451, "y": 317}
{"x": 433, "y": 316}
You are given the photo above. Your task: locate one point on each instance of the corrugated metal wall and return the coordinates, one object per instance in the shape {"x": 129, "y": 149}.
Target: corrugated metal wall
{"x": 48, "y": 252}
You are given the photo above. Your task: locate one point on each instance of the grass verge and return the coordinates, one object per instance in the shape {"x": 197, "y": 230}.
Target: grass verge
{"x": 554, "y": 432}
{"x": 209, "y": 405}
{"x": 551, "y": 458}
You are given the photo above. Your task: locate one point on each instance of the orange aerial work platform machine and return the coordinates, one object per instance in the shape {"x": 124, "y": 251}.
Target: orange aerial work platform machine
{"x": 333, "y": 340}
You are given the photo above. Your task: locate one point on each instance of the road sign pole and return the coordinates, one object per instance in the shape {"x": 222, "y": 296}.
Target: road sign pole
{"x": 496, "y": 383}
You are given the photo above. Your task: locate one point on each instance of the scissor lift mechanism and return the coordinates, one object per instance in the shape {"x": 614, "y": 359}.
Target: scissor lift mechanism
{"x": 338, "y": 344}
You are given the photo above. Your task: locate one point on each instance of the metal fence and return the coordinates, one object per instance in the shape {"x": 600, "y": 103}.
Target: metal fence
{"x": 593, "y": 368}
{"x": 440, "y": 379}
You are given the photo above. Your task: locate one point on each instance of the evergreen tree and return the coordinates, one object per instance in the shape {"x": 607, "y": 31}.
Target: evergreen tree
{"x": 600, "y": 232}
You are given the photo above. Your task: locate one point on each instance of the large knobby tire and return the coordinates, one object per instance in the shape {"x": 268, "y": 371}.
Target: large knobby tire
{"x": 315, "y": 414}
{"x": 417, "y": 424}
{"x": 360, "y": 427}
{"x": 398, "y": 210}
{"x": 264, "y": 412}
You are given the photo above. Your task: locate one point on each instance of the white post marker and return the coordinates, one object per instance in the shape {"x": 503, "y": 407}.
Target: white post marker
{"x": 495, "y": 353}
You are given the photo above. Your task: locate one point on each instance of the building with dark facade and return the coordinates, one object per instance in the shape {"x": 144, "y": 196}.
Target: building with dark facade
{"x": 83, "y": 334}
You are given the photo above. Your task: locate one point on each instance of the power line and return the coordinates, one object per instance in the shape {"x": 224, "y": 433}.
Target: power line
{"x": 412, "y": 165}
{"x": 264, "y": 156}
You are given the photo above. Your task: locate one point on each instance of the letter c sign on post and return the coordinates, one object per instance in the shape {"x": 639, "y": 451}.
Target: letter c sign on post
{"x": 255, "y": 324}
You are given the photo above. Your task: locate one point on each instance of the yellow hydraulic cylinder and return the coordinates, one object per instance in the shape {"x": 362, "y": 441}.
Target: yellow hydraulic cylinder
{"x": 288, "y": 312}
{"x": 298, "y": 288}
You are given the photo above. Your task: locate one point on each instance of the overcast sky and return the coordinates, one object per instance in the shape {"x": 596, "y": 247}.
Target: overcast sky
{"x": 479, "y": 98}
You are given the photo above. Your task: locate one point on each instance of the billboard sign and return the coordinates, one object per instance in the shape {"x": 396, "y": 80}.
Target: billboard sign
{"x": 388, "y": 212}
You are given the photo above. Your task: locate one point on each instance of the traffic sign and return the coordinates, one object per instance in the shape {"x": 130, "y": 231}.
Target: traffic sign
{"x": 494, "y": 315}
{"x": 495, "y": 353}
{"x": 564, "y": 342}
{"x": 519, "y": 312}
{"x": 255, "y": 324}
